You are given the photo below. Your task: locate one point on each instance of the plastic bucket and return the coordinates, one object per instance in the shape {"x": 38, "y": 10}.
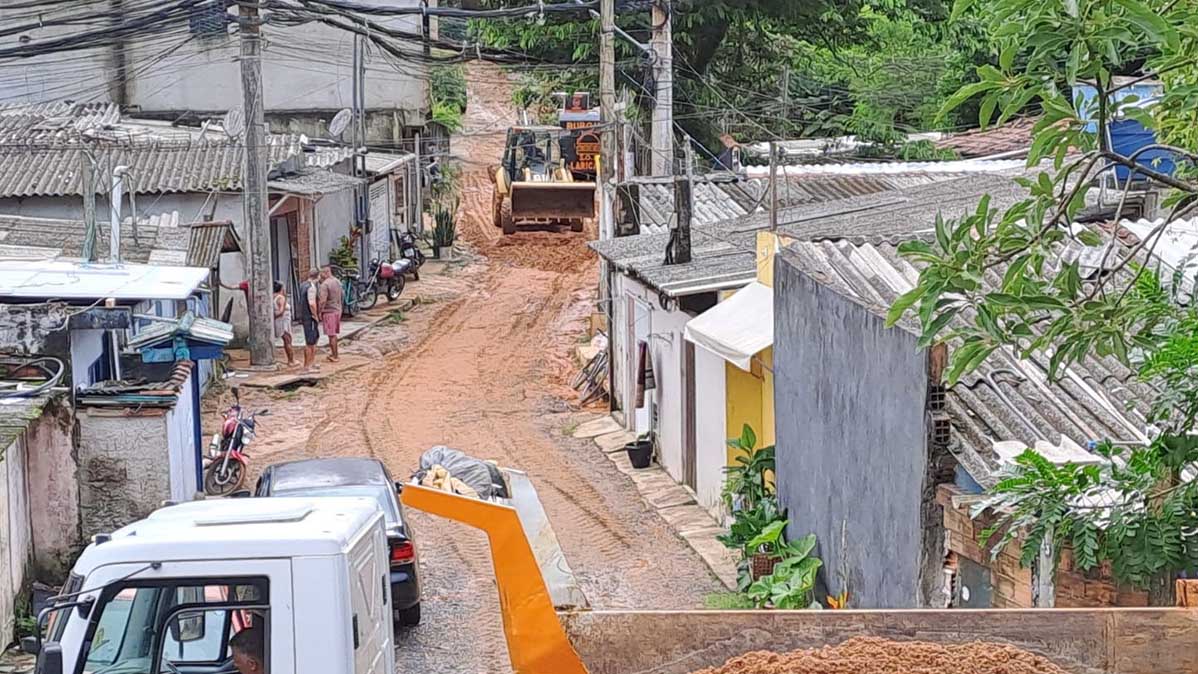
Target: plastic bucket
{"x": 640, "y": 453}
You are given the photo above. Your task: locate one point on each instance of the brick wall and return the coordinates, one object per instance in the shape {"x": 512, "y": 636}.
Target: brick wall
{"x": 1011, "y": 583}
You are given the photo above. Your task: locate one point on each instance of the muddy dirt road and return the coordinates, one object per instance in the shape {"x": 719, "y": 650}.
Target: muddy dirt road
{"x": 483, "y": 370}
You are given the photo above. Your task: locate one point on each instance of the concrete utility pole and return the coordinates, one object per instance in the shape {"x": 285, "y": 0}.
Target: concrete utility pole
{"x": 663, "y": 97}
{"x": 87, "y": 172}
{"x": 683, "y": 208}
{"x": 773, "y": 186}
{"x": 114, "y": 213}
{"x": 607, "y": 101}
{"x": 361, "y": 192}
{"x": 262, "y": 350}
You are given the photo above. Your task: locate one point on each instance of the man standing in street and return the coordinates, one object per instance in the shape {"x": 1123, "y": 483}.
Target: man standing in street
{"x": 330, "y": 299}
{"x": 308, "y": 314}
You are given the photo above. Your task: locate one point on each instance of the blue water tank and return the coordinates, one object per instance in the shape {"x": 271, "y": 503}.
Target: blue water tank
{"x": 1127, "y": 135}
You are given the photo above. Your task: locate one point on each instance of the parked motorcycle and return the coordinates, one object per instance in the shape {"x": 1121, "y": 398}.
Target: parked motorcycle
{"x": 408, "y": 250}
{"x": 227, "y": 461}
{"x": 386, "y": 277}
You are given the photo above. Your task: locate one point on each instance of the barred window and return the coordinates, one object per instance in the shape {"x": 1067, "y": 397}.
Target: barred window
{"x": 208, "y": 19}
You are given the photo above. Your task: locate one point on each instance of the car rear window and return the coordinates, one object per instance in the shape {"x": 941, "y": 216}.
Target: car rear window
{"x": 385, "y": 498}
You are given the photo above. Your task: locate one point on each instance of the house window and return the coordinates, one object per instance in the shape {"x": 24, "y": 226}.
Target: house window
{"x": 102, "y": 368}
{"x": 209, "y": 19}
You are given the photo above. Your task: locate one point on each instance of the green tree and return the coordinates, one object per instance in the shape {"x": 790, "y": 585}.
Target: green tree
{"x": 1138, "y": 508}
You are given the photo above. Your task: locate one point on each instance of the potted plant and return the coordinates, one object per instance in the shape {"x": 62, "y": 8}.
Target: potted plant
{"x": 764, "y": 550}
{"x": 791, "y": 584}
{"x": 640, "y": 451}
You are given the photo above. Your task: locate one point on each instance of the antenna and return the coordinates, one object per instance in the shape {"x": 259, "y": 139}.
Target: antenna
{"x": 234, "y": 122}
{"x": 341, "y": 122}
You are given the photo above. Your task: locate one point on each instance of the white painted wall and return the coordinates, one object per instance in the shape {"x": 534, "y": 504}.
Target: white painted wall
{"x": 334, "y": 213}
{"x": 664, "y": 332}
{"x": 86, "y": 347}
{"x": 181, "y": 449}
{"x": 177, "y": 72}
{"x": 710, "y": 429}
{"x": 16, "y": 549}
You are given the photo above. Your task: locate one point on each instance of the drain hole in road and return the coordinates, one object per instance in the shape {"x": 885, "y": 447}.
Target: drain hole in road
{"x": 297, "y": 384}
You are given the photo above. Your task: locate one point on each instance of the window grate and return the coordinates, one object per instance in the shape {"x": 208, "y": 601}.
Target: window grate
{"x": 209, "y": 19}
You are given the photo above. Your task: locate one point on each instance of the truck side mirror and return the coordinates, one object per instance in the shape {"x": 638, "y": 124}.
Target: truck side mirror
{"x": 49, "y": 661}
{"x": 30, "y": 645}
{"x": 187, "y": 627}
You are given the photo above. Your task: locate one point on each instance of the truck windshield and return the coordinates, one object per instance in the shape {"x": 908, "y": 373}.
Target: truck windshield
{"x": 140, "y": 624}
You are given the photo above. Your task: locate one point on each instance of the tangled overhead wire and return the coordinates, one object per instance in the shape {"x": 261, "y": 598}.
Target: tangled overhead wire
{"x": 51, "y": 367}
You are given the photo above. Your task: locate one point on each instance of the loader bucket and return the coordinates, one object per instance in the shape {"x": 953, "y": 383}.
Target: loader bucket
{"x": 537, "y": 643}
{"x": 553, "y": 201}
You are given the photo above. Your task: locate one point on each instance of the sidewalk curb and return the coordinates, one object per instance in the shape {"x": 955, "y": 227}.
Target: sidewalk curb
{"x": 673, "y": 503}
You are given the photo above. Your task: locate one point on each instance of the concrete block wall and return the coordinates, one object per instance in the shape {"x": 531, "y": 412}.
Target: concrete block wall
{"x": 120, "y": 480}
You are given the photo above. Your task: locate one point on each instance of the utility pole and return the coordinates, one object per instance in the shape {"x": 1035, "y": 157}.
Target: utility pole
{"x": 683, "y": 207}
{"x": 663, "y": 97}
{"x": 786, "y": 95}
{"x": 87, "y": 172}
{"x": 773, "y": 186}
{"x": 262, "y": 349}
{"x": 114, "y": 213}
{"x": 607, "y": 100}
{"x": 361, "y": 192}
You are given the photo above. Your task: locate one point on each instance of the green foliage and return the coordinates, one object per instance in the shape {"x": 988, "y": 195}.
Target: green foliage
{"x": 746, "y": 483}
{"x": 1132, "y": 508}
{"x": 727, "y": 601}
{"x": 792, "y": 583}
{"x": 447, "y": 89}
{"x": 344, "y": 255}
{"x": 874, "y": 68}
{"x": 445, "y": 229}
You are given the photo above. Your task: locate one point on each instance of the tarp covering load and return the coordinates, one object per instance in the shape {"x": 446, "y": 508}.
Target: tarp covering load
{"x": 452, "y": 470}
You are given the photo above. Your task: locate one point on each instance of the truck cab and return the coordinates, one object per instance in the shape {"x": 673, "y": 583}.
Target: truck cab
{"x": 167, "y": 594}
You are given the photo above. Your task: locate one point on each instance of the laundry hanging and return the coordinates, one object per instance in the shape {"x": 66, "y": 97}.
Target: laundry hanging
{"x": 644, "y": 376}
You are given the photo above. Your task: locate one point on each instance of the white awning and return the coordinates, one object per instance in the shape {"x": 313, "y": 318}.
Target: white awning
{"x": 737, "y": 328}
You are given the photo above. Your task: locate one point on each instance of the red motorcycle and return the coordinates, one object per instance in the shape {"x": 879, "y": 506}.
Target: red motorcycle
{"x": 227, "y": 460}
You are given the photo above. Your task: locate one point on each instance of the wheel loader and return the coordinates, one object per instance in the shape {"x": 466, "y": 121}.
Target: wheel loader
{"x": 534, "y": 187}
{"x": 550, "y": 630}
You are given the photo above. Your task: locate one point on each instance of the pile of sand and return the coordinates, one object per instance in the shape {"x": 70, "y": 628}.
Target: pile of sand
{"x": 871, "y": 655}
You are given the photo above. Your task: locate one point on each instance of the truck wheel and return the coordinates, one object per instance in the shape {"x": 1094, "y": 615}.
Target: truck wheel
{"x": 408, "y": 617}
{"x": 576, "y": 225}
{"x": 505, "y": 218}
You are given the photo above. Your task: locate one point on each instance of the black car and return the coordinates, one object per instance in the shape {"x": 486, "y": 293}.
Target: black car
{"x": 357, "y": 477}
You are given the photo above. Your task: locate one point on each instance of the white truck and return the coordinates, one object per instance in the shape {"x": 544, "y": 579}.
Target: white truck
{"x": 166, "y": 594}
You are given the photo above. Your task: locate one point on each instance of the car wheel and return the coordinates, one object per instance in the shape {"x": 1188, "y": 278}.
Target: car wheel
{"x": 408, "y": 617}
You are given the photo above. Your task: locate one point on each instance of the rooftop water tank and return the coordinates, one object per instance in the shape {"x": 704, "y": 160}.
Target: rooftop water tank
{"x": 1127, "y": 135}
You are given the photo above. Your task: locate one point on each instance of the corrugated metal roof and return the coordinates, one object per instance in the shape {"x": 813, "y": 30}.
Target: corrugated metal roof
{"x": 383, "y": 162}
{"x": 208, "y": 240}
{"x": 313, "y": 182}
{"x": 160, "y": 239}
{"x": 1009, "y": 398}
{"x": 42, "y": 148}
{"x": 728, "y": 249}
{"x": 201, "y": 329}
{"x": 716, "y": 202}
{"x": 54, "y": 121}
{"x": 890, "y": 168}
{"x": 137, "y": 393}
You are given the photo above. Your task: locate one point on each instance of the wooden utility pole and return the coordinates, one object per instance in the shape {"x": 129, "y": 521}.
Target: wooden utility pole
{"x": 786, "y": 95}
{"x": 663, "y": 96}
{"x": 1044, "y": 593}
{"x": 87, "y": 172}
{"x": 253, "y": 195}
{"x": 607, "y": 100}
{"x": 773, "y": 186}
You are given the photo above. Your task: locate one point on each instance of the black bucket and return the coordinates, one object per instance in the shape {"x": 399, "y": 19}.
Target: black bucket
{"x": 640, "y": 453}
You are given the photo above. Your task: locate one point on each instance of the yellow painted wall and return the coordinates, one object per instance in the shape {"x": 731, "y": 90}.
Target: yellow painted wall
{"x": 743, "y": 392}
{"x": 767, "y": 246}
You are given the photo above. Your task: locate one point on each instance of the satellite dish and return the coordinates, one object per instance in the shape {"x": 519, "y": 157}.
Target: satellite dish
{"x": 341, "y": 122}
{"x": 234, "y": 122}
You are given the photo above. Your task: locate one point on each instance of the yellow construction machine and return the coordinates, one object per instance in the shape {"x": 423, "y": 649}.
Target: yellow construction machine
{"x": 534, "y": 185}
{"x": 533, "y": 578}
